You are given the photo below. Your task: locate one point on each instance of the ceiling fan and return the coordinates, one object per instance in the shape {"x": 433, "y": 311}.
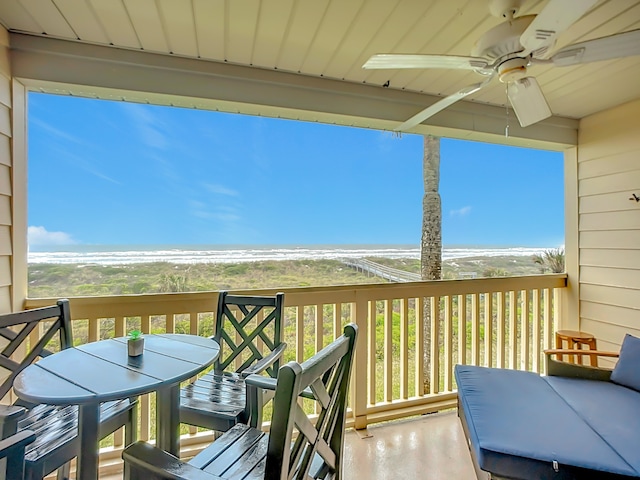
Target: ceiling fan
{"x": 510, "y": 48}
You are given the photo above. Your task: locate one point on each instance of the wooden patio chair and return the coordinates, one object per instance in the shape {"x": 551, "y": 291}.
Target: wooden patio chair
{"x": 247, "y": 452}
{"x": 12, "y": 454}
{"x": 249, "y": 332}
{"x": 24, "y": 337}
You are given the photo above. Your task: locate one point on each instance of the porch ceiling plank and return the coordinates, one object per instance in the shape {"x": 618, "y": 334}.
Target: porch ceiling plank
{"x": 116, "y": 23}
{"x": 349, "y": 59}
{"x": 83, "y": 20}
{"x": 400, "y": 19}
{"x": 147, "y": 23}
{"x": 180, "y": 31}
{"x": 141, "y": 76}
{"x": 19, "y": 17}
{"x": 452, "y": 33}
{"x": 210, "y": 28}
{"x": 304, "y": 21}
{"x": 272, "y": 29}
{"x": 49, "y": 19}
{"x": 242, "y": 20}
{"x": 334, "y": 27}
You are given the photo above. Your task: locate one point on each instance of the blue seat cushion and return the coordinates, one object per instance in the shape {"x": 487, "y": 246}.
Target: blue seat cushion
{"x": 610, "y": 410}
{"x": 517, "y": 421}
{"x": 627, "y": 370}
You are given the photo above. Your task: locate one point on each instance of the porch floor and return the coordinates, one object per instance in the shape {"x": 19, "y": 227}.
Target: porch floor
{"x": 429, "y": 447}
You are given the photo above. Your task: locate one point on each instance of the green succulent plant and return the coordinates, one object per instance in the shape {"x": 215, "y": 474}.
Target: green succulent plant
{"x": 135, "y": 334}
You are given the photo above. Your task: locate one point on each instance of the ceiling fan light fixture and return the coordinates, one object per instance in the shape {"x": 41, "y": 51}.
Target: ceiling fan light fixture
{"x": 528, "y": 101}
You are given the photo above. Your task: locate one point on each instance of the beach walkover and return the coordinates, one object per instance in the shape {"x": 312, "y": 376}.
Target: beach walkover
{"x": 388, "y": 273}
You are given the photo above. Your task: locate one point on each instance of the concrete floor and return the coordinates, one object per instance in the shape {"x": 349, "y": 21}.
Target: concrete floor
{"x": 431, "y": 447}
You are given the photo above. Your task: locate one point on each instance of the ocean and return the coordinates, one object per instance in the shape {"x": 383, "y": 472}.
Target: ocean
{"x": 122, "y": 255}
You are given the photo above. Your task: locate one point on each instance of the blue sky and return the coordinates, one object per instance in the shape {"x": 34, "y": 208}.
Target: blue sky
{"x": 116, "y": 173}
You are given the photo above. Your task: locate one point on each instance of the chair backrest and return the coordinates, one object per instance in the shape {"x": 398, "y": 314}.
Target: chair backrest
{"x": 28, "y": 335}
{"x": 324, "y": 378}
{"x": 248, "y": 328}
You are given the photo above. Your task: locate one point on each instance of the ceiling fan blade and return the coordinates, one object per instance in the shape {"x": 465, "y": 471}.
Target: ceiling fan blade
{"x": 424, "y": 61}
{"x": 440, "y": 105}
{"x": 554, "y": 19}
{"x": 620, "y": 45}
{"x": 528, "y": 101}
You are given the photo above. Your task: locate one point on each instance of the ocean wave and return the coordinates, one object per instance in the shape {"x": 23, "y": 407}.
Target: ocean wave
{"x": 239, "y": 255}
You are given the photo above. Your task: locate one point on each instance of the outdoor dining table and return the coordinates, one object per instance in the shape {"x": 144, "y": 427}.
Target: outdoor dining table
{"x": 102, "y": 371}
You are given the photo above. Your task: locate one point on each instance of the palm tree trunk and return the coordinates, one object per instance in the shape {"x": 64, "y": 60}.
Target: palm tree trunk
{"x": 431, "y": 243}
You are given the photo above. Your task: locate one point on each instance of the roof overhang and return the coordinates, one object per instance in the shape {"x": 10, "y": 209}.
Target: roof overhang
{"x": 81, "y": 69}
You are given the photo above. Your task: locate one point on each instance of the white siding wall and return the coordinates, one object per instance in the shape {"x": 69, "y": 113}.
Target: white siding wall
{"x": 609, "y": 224}
{"x": 5, "y": 174}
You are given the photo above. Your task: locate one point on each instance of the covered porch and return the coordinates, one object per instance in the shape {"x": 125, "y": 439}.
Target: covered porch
{"x": 302, "y": 61}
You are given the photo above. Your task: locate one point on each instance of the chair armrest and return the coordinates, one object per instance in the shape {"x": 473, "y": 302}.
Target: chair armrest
{"x": 142, "y": 457}
{"x": 261, "y": 365}
{"x": 16, "y": 442}
{"x": 9, "y": 416}
{"x": 260, "y": 381}
{"x": 12, "y": 450}
{"x": 559, "y": 368}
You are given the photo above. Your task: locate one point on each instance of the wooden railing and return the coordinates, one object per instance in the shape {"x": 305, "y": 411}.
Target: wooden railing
{"x": 500, "y": 322}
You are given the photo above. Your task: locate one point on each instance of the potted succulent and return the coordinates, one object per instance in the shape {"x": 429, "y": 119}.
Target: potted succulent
{"x": 135, "y": 344}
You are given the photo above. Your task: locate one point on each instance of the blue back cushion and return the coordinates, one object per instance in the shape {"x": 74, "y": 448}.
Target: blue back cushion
{"x": 627, "y": 370}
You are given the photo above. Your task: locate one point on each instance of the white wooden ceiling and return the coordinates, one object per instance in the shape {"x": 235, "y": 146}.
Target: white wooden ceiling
{"x": 333, "y": 38}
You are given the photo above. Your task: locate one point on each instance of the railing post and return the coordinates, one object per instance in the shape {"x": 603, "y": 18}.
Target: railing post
{"x": 359, "y": 382}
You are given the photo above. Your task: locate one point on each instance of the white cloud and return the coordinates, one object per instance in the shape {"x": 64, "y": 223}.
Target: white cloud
{"x": 41, "y": 236}
{"x": 460, "y": 212}
{"x": 149, "y": 126}
{"x": 220, "y": 190}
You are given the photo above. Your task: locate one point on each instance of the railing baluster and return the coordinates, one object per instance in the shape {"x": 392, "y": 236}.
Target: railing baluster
{"x": 513, "y": 329}
{"x": 419, "y": 368}
{"x": 500, "y": 319}
{"x": 299, "y": 333}
{"x": 337, "y": 320}
{"x": 488, "y": 329}
{"x": 525, "y": 354}
{"x": 372, "y": 364}
{"x": 535, "y": 337}
{"x": 94, "y": 329}
{"x": 434, "y": 381}
{"x": 475, "y": 330}
{"x": 548, "y": 328}
{"x": 404, "y": 348}
{"x": 388, "y": 350}
{"x": 462, "y": 329}
{"x": 448, "y": 345}
{"x": 318, "y": 320}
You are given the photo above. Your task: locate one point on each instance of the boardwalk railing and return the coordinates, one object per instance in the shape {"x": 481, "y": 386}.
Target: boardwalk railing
{"x": 500, "y": 322}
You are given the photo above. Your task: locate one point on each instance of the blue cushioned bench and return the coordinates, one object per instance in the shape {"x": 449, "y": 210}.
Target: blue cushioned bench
{"x": 521, "y": 425}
